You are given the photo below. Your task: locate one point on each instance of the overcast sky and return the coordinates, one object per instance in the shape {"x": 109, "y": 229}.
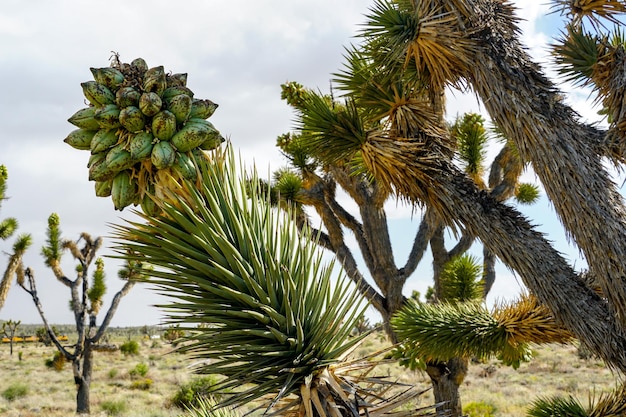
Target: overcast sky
{"x": 236, "y": 52}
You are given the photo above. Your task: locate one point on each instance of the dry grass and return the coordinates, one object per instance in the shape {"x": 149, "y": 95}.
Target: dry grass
{"x": 555, "y": 370}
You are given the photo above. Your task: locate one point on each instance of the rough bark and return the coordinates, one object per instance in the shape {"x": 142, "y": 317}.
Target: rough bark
{"x": 82, "y": 377}
{"x": 510, "y": 237}
{"x": 529, "y": 110}
{"x": 446, "y": 379}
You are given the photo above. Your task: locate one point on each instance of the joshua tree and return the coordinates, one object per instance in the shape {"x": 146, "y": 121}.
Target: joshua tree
{"x": 9, "y": 328}
{"x": 310, "y": 183}
{"x": 429, "y": 45}
{"x": 85, "y": 302}
{"x": 7, "y": 228}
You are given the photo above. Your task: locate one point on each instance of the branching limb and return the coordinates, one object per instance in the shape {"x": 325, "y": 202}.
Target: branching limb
{"x": 420, "y": 244}
{"x": 112, "y": 309}
{"x": 32, "y": 290}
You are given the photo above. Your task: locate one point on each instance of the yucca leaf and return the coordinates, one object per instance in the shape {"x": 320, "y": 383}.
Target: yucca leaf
{"x": 556, "y": 407}
{"x": 276, "y": 315}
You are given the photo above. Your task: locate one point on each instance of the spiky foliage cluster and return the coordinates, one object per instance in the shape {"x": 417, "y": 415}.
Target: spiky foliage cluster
{"x": 471, "y": 136}
{"x": 8, "y": 225}
{"x": 272, "y": 314}
{"x": 596, "y": 59}
{"x": 419, "y": 35}
{"x": 609, "y": 404}
{"x": 459, "y": 281}
{"x": 593, "y": 10}
{"x": 206, "y": 407}
{"x": 98, "y": 287}
{"x": 526, "y": 193}
{"x": 443, "y": 331}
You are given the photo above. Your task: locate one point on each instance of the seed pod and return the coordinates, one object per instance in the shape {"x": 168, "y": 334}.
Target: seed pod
{"x": 108, "y": 116}
{"x": 124, "y": 190}
{"x": 164, "y": 125}
{"x": 111, "y": 78}
{"x": 170, "y": 92}
{"x": 212, "y": 143}
{"x": 140, "y": 65}
{"x": 163, "y": 155}
{"x": 99, "y": 171}
{"x": 193, "y": 134}
{"x": 150, "y": 104}
{"x": 103, "y": 188}
{"x": 84, "y": 119}
{"x": 177, "y": 80}
{"x": 202, "y": 109}
{"x": 127, "y": 96}
{"x": 103, "y": 140}
{"x": 132, "y": 119}
{"x": 141, "y": 146}
{"x": 119, "y": 159}
{"x": 97, "y": 94}
{"x": 183, "y": 164}
{"x": 180, "y": 106}
{"x": 154, "y": 80}
{"x": 80, "y": 139}
{"x": 96, "y": 158}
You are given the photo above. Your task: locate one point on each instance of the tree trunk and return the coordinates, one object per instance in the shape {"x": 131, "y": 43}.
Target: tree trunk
{"x": 528, "y": 108}
{"x": 447, "y": 378}
{"x": 82, "y": 377}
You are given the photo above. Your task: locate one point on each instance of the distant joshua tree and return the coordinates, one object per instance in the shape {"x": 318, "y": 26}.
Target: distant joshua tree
{"x": 9, "y": 328}
{"x": 86, "y": 299}
{"x": 8, "y": 227}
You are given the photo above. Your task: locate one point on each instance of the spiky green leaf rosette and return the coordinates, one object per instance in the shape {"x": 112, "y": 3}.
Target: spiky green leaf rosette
{"x": 144, "y": 129}
{"x": 271, "y": 316}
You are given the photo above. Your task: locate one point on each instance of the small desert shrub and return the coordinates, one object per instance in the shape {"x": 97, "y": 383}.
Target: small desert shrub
{"x": 191, "y": 392}
{"x": 15, "y": 391}
{"x": 142, "y": 384}
{"x": 113, "y": 408}
{"x": 113, "y": 373}
{"x": 139, "y": 371}
{"x": 130, "y": 347}
{"x": 57, "y": 362}
{"x": 479, "y": 409}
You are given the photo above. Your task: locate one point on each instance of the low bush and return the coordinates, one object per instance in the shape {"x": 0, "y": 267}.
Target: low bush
{"x": 142, "y": 384}
{"x": 15, "y": 391}
{"x": 113, "y": 408}
{"x": 189, "y": 394}
{"x": 130, "y": 347}
{"x": 57, "y": 362}
{"x": 139, "y": 371}
{"x": 479, "y": 409}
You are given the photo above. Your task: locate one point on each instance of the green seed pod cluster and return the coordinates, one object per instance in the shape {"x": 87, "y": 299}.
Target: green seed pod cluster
{"x": 143, "y": 128}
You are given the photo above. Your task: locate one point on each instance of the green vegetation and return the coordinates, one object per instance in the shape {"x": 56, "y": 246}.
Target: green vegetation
{"x": 140, "y": 370}
{"x": 114, "y": 407}
{"x": 192, "y": 393}
{"x": 142, "y": 384}
{"x": 130, "y": 347}
{"x": 15, "y": 391}
{"x": 479, "y": 409}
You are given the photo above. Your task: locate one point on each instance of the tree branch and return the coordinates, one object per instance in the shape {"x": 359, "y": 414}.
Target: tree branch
{"x": 420, "y": 244}
{"x": 33, "y": 293}
{"x": 112, "y": 309}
